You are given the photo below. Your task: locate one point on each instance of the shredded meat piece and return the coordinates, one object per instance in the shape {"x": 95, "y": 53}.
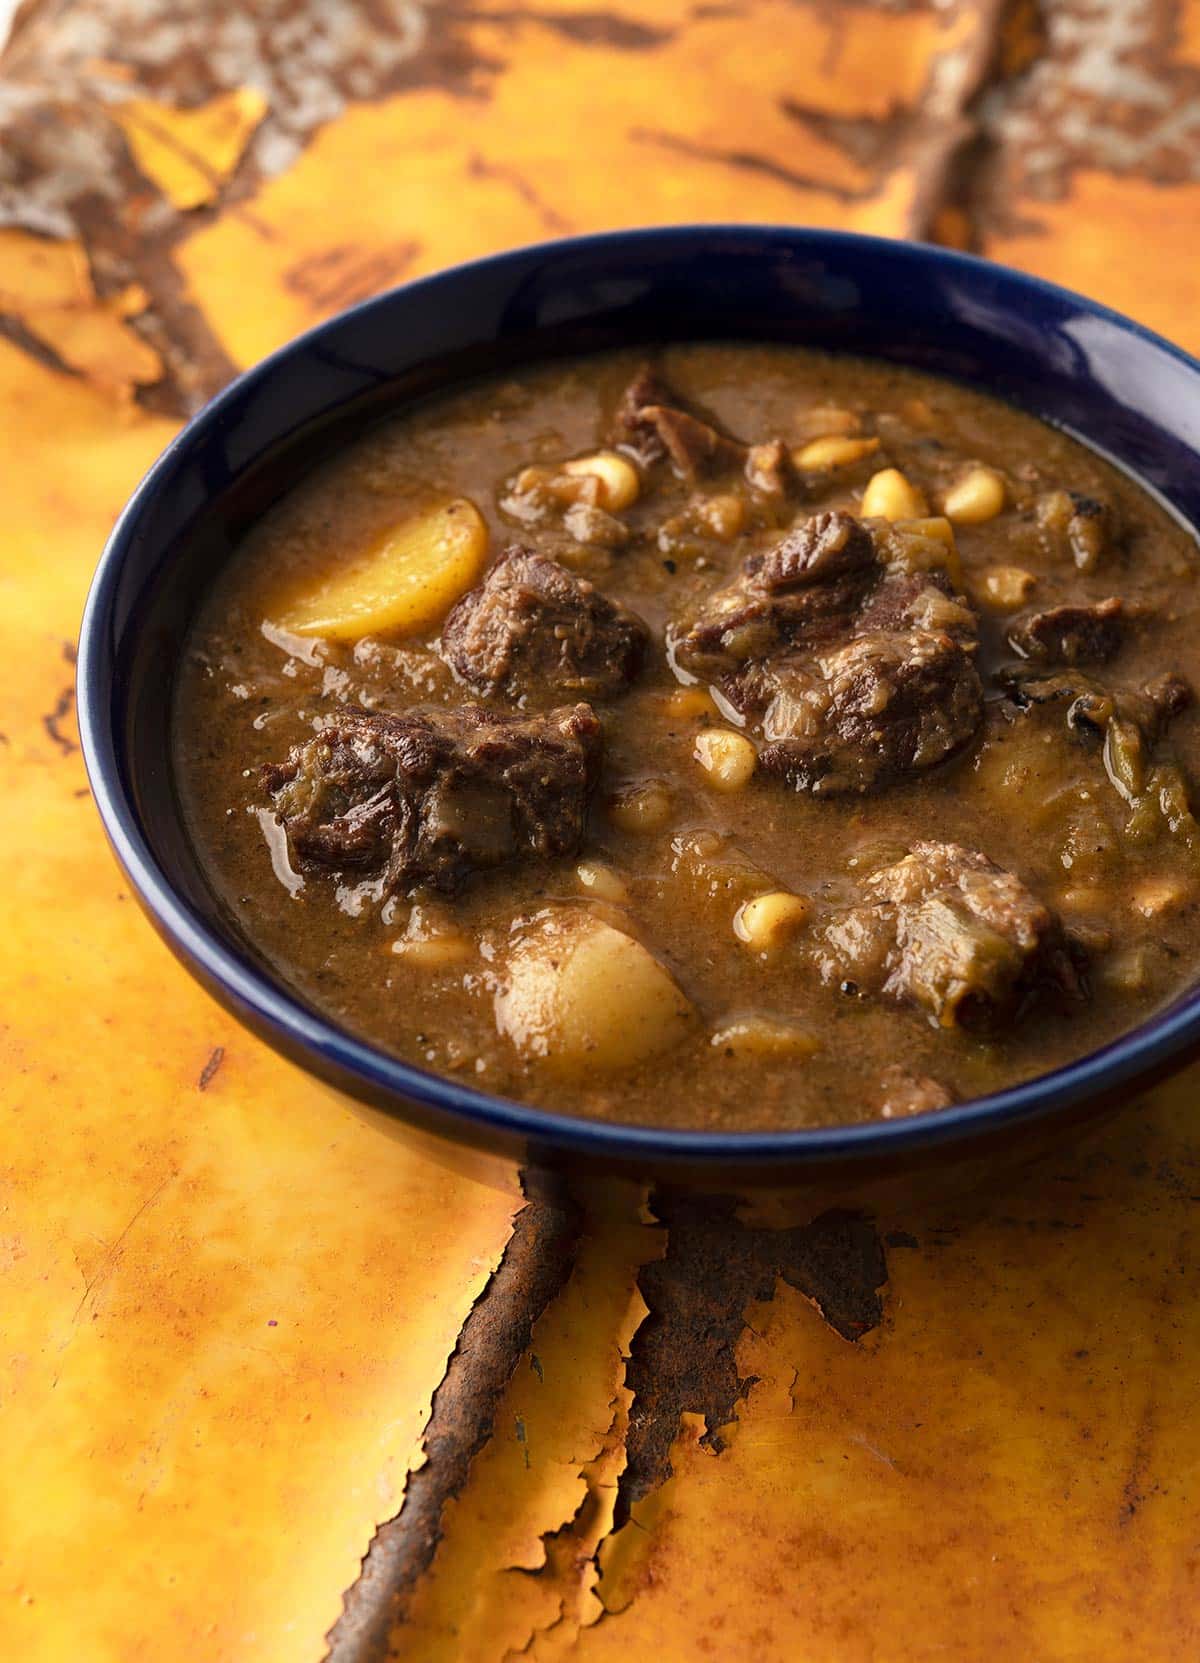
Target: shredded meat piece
{"x": 858, "y": 672}
{"x": 1131, "y": 725}
{"x": 1091, "y": 706}
{"x": 1071, "y": 634}
{"x": 1082, "y": 527}
{"x": 769, "y": 469}
{"x": 429, "y": 798}
{"x": 652, "y": 423}
{"x": 533, "y": 626}
{"x": 882, "y": 707}
{"x": 903, "y": 1094}
{"x": 805, "y": 590}
{"x": 947, "y": 929}
{"x": 541, "y": 496}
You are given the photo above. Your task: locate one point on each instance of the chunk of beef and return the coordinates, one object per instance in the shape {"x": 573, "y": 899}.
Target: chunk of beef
{"x": 1090, "y": 705}
{"x": 1071, "y": 634}
{"x": 947, "y": 929}
{"x": 533, "y": 626}
{"x": 769, "y": 469}
{"x": 805, "y": 590}
{"x": 858, "y": 671}
{"x": 430, "y": 798}
{"x": 652, "y": 423}
{"x": 882, "y": 707}
{"x": 902, "y": 1094}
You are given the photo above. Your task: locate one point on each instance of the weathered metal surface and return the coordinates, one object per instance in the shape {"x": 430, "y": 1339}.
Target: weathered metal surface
{"x": 237, "y": 1320}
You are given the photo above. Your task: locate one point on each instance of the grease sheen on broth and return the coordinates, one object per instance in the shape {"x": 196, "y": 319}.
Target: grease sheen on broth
{"x": 739, "y": 903}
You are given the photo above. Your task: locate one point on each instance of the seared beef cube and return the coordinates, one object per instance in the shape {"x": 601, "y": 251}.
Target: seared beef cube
{"x": 532, "y": 626}
{"x": 651, "y": 423}
{"x": 859, "y": 672}
{"x": 949, "y": 930}
{"x": 866, "y": 714}
{"x": 429, "y": 798}
{"x": 806, "y": 589}
{"x": 1071, "y": 634}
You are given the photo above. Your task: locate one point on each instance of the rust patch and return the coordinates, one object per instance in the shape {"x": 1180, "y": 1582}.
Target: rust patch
{"x": 683, "y": 1358}
{"x": 536, "y": 1265}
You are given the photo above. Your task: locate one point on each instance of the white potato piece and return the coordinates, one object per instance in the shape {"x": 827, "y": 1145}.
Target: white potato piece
{"x": 581, "y": 995}
{"x": 406, "y": 582}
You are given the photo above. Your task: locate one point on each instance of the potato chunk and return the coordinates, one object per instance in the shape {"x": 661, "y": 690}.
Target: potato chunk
{"x": 406, "y": 582}
{"x": 581, "y": 995}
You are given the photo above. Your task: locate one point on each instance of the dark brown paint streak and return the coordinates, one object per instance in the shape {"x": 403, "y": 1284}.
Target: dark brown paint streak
{"x": 683, "y": 1357}
{"x": 536, "y": 1265}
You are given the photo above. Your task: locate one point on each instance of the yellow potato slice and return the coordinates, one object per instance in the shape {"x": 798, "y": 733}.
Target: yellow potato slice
{"x": 580, "y": 995}
{"x": 405, "y": 583}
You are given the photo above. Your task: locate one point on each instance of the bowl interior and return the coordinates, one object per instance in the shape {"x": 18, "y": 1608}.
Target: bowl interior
{"x": 1120, "y": 389}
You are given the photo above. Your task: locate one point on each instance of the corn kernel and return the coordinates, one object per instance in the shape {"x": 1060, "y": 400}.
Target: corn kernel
{"x": 723, "y": 515}
{"x": 764, "y": 1036}
{"x": 728, "y": 758}
{"x": 1154, "y": 896}
{"x": 766, "y": 922}
{"x": 641, "y": 808}
{"x": 430, "y": 941}
{"x": 977, "y": 497}
{"x": 1083, "y": 901}
{"x": 890, "y": 496}
{"x": 917, "y": 412}
{"x": 619, "y": 480}
{"x": 834, "y": 451}
{"x": 435, "y": 952}
{"x": 1007, "y": 587}
{"x": 827, "y": 421}
{"x": 602, "y": 882}
{"x": 691, "y": 704}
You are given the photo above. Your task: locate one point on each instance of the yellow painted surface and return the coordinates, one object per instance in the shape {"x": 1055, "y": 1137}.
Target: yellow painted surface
{"x": 467, "y": 176}
{"x": 47, "y": 287}
{"x": 516, "y": 1559}
{"x": 1008, "y": 1469}
{"x": 225, "y": 1309}
{"x": 189, "y": 154}
{"x": 1096, "y": 240}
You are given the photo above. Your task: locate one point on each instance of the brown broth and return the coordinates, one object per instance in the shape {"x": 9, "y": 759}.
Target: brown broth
{"x": 1028, "y": 793}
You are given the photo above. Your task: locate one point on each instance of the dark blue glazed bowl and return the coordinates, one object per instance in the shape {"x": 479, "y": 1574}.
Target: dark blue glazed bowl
{"x": 1123, "y": 390}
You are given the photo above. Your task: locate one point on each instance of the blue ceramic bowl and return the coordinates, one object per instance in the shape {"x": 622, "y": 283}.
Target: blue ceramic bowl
{"x": 1124, "y": 391}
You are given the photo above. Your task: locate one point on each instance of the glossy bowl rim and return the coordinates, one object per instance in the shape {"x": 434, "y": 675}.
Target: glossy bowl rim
{"x": 362, "y": 1069}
